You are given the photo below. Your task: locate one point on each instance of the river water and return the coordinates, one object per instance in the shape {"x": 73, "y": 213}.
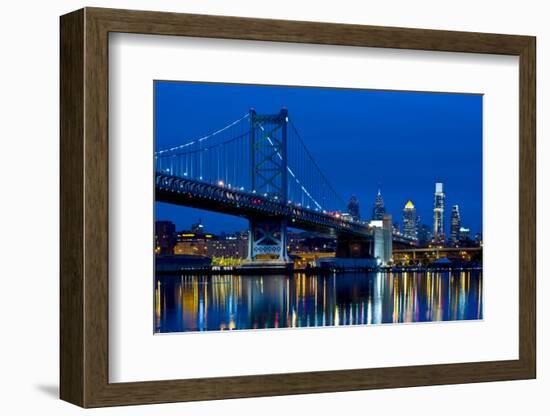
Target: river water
{"x": 213, "y": 303}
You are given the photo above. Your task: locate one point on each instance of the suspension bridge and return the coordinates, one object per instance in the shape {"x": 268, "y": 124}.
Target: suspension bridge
{"x": 258, "y": 167}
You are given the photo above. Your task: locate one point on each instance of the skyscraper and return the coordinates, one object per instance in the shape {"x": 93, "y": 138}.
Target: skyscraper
{"x": 396, "y": 228}
{"x": 464, "y": 234}
{"x": 455, "y": 224}
{"x": 353, "y": 208}
{"x": 424, "y": 234}
{"x": 378, "y": 209}
{"x": 439, "y": 209}
{"x": 410, "y": 221}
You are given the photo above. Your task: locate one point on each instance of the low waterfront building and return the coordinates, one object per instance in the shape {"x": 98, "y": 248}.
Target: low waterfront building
{"x": 305, "y": 242}
{"x": 229, "y": 246}
{"x": 165, "y": 237}
{"x": 426, "y": 255}
{"x": 200, "y": 243}
{"x": 303, "y": 260}
{"x": 193, "y": 243}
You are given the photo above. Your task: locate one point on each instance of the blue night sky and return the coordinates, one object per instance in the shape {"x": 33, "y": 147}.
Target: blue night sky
{"x": 361, "y": 139}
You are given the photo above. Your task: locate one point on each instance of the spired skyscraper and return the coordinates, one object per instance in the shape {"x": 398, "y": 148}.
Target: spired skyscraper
{"x": 378, "y": 210}
{"x": 455, "y": 224}
{"x": 410, "y": 221}
{"x": 353, "y": 208}
{"x": 439, "y": 210}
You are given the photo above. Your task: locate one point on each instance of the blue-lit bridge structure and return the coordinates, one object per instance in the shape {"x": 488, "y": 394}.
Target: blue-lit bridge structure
{"x": 259, "y": 167}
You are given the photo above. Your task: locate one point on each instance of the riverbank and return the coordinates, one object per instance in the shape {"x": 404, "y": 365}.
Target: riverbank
{"x": 230, "y": 270}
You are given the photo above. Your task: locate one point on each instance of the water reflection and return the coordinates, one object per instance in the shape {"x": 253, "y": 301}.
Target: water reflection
{"x": 211, "y": 303}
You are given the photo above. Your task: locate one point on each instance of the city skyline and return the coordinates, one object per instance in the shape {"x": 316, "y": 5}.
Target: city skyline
{"x": 400, "y": 142}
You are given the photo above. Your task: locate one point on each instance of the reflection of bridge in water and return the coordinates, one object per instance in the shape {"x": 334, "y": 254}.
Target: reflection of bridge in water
{"x": 258, "y": 167}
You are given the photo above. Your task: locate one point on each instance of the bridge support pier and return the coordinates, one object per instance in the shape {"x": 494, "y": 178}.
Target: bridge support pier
{"x": 352, "y": 253}
{"x": 349, "y": 247}
{"x": 267, "y": 244}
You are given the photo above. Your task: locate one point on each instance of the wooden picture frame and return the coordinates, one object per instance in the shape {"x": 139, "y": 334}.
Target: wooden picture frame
{"x": 84, "y": 207}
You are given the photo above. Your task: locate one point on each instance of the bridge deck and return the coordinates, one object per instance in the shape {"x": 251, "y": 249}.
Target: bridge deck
{"x": 197, "y": 194}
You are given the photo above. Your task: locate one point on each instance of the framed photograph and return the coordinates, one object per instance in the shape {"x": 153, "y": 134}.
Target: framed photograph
{"x": 256, "y": 207}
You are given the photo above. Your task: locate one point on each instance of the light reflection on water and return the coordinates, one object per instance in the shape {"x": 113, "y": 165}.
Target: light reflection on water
{"x": 212, "y": 303}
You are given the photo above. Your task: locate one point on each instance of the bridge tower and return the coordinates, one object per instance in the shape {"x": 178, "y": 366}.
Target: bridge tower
{"x": 267, "y": 240}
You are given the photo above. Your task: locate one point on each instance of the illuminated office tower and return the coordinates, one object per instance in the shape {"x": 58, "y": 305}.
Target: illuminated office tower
{"x": 439, "y": 210}
{"x": 464, "y": 234}
{"x": 424, "y": 235}
{"x": 378, "y": 209}
{"x": 455, "y": 224}
{"x": 410, "y": 221}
